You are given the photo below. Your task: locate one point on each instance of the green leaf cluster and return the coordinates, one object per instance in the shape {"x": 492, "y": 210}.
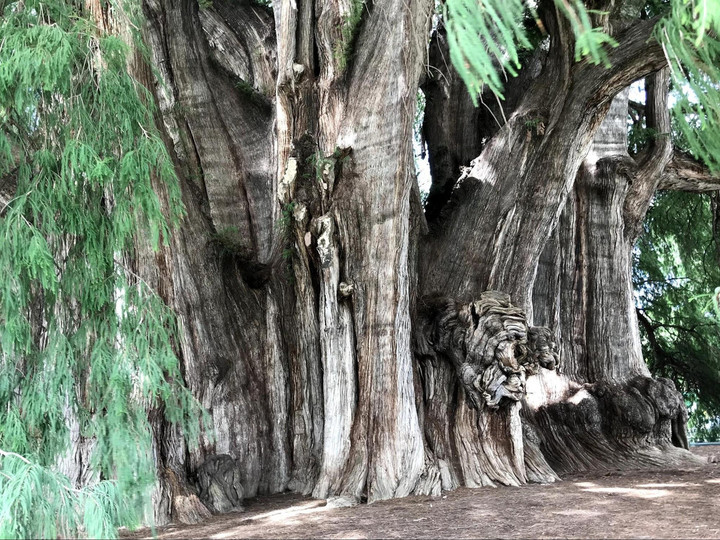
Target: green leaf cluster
{"x": 83, "y": 341}
{"x": 487, "y": 37}
{"x": 39, "y": 502}
{"x": 676, "y": 265}
{"x": 690, "y": 35}
{"x": 484, "y": 39}
{"x": 348, "y": 33}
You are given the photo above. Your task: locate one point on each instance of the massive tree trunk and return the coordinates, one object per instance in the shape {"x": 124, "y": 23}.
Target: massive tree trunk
{"x": 604, "y": 410}
{"x": 291, "y": 273}
{"x": 345, "y": 345}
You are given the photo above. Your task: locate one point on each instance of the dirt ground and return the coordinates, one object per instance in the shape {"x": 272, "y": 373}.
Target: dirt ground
{"x": 638, "y": 504}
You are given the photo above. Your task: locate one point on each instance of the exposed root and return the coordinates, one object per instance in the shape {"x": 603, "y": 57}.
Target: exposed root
{"x": 610, "y": 425}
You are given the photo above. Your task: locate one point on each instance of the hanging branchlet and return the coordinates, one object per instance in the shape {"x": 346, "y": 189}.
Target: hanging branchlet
{"x": 82, "y": 339}
{"x": 690, "y": 38}
{"x": 486, "y": 39}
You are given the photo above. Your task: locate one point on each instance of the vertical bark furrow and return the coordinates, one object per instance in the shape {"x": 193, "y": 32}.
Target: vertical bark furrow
{"x": 224, "y": 324}
{"x": 337, "y": 352}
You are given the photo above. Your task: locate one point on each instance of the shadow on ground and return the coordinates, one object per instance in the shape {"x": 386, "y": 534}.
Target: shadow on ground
{"x": 615, "y": 504}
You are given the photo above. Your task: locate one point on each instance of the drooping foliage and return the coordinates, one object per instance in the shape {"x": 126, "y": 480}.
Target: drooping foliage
{"x": 677, "y": 263}
{"x": 486, "y": 38}
{"x": 85, "y": 345}
{"x": 690, "y": 35}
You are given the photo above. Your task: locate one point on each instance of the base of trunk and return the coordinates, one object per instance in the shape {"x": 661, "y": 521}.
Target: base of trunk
{"x": 178, "y": 501}
{"x": 632, "y": 424}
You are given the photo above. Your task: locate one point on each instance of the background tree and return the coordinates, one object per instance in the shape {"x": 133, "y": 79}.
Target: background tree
{"x": 676, "y": 267}
{"x": 341, "y": 338}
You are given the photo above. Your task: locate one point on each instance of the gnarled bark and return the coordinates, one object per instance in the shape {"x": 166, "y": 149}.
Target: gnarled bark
{"x": 342, "y": 347}
{"x": 604, "y": 410}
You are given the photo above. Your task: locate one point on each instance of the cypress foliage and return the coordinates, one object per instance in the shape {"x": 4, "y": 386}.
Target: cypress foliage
{"x": 675, "y": 268}
{"x": 690, "y": 34}
{"x": 485, "y": 38}
{"x": 81, "y": 338}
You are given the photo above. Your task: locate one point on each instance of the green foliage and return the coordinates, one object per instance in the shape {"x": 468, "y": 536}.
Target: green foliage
{"x": 251, "y": 94}
{"x": 535, "y": 126}
{"x": 589, "y": 41}
{"x": 205, "y": 4}
{"x": 690, "y": 35}
{"x": 82, "y": 339}
{"x": 318, "y": 162}
{"x": 640, "y": 136}
{"x": 40, "y": 502}
{"x": 676, "y": 264}
{"x": 265, "y": 4}
{"x": 655, "y": 8}
{"x": 419, "y": 118}
{"x": 481, "y": 35}
{"x": 702, "y": 425}
{"x": 486, "y": 39}
{"x": 348, "y": 33}
{"x": 286, "y": 218}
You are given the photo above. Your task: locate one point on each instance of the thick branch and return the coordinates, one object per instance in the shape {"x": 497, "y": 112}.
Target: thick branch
{"x": 637, "y": 55}
{"x": 685, "y": 173}
{"x": 655, "y": 159}
{"x": 454, "y": 129}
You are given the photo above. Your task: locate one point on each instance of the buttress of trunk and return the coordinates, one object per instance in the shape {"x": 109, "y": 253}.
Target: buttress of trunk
{"x": 474, "y": 361}
{"x": 291, "y": 273}
{"x": 491, "y": 233}
{"x": 603, "y": 409}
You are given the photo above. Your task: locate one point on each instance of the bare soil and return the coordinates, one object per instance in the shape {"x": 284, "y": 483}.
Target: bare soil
{"x": 615, "y": 504}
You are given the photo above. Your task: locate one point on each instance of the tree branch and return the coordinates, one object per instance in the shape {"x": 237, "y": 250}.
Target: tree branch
{"x": 636, "y": 106}
{"x": 638, "y": 54}
{"x": 685, "y": 173}
{"x": 653, "y": 162}
{"x": 661, "y": 355}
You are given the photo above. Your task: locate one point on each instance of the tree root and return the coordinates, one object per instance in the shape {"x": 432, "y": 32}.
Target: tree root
{"x": 613, "y": 425}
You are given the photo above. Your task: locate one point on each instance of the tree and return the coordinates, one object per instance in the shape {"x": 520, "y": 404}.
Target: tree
{"x": 676, "y": 266}
{"x": 344, "y": 339}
